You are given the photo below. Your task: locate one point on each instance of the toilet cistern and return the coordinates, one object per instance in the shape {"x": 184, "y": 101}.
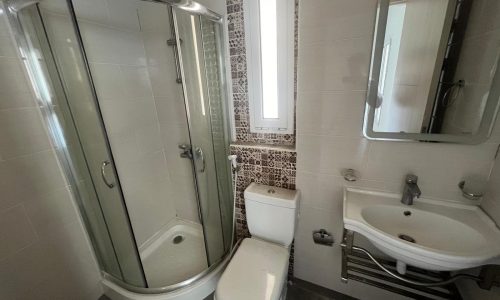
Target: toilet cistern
{"x": 411, "y": 190}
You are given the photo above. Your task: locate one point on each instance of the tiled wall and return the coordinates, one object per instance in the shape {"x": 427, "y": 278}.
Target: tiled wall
{"x": 44, "y": 250}
{"x": 239, "y": 77}
{"x": 263, "y": 157}
{"x": 264, "y": 165}
{"x": 490, "y": 204}
{"x": 335, "y": 39}
{"x": 143, "y": 108}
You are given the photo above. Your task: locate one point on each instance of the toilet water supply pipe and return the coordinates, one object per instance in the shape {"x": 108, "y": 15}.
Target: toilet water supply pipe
{"x": 234, "y": 168}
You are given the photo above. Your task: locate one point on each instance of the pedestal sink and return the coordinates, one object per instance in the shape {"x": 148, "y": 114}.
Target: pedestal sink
{"x": 430, "y": 234}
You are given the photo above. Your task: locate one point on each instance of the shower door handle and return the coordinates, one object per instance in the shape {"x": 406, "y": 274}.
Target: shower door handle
{"x": 103, "y": 174}
{"x": 201, "y": 155}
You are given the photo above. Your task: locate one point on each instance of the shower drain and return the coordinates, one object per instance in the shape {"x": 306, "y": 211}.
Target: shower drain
{"x": 178, "y": 239}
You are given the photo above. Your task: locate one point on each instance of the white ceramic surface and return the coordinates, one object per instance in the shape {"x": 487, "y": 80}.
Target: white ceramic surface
{"x": 264, "y": 205}
{"x": 257, "y": 271}
{"x": 448, "y": 236}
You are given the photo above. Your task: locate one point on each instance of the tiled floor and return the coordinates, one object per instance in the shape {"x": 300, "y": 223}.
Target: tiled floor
{"x": 303, "y": 290}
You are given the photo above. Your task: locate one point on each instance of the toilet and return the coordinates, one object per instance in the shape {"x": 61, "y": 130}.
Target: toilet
{"x": 259, "y": 268}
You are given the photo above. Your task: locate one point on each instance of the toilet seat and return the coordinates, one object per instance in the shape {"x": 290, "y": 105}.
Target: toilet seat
{"x": 257, "y": 271}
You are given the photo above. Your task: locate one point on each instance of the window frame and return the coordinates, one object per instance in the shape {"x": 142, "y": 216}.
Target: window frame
{"x": 284, "y": 124}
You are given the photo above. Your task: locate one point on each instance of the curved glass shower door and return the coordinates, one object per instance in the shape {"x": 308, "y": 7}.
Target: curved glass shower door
{"x": 60, "y": 83}
{"x": 199, "y": 54}
{"x": 135, "y": 93}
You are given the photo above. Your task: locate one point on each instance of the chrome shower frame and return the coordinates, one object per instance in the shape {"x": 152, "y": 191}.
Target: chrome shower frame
{"x": 13, "y": 7}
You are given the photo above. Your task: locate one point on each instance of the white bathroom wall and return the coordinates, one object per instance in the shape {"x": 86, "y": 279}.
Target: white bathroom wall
{"x": 44, "y": 250}
{"x": 335, "y": 39}
{"x": 142, "y": 107}
{"x": 491, "y": 205}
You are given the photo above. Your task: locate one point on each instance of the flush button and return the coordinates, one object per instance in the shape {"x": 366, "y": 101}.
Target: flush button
{"x": 271, "y": 191}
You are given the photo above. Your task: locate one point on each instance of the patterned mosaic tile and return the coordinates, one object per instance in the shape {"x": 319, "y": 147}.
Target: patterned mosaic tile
{"x": 240, "y": 82}
{"x": 265, "y": 166}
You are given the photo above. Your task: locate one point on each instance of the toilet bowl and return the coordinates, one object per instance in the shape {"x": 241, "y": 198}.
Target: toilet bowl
{"x": 258, "y": 270}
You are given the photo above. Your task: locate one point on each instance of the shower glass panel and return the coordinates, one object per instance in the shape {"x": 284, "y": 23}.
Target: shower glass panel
{"x": 61, "y": 85}
{"x": 201, "y": 125}
{"x": 134, "y": 94}
{"x": 204, "y": 93}
{"x": 215, "y": 71}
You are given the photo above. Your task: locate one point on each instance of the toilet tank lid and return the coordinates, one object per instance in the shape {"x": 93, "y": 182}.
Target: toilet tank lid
{"x": 272, "y": 195}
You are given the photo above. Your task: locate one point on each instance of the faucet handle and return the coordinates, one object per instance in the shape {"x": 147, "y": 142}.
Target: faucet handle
{"x": 410, "y": 178}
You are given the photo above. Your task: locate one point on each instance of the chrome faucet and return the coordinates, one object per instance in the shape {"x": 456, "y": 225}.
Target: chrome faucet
{"x": 411, "y": 190}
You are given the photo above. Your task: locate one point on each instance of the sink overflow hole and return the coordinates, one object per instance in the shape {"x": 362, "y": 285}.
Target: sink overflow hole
{"x": 407, "y": 213}
{"x": 406, "y": 238}
{"x": 178, "y": 239}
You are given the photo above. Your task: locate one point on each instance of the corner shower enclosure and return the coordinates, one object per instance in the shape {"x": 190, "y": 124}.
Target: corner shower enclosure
{"x": 133, "y": 93}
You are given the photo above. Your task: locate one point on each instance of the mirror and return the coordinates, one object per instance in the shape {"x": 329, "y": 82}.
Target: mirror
{"x": 433, "y": 73}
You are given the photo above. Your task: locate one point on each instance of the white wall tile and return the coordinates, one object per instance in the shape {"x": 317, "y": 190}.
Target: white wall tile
{"x": 109, "y": 45}
{"x": 157, "y": 50}
{"x": 337, "y": 66}
{"x": 331, "y": 113}
{"x": 320, "y": 25}
{"x": 163, "y": 80}
{"x": 6, "y": 47}
{"x": 334, "y": 56}
{"x": 143, "y": 110}
{"x": 51, "y": 211}
{"x": 37, "y": 244}
{"x": 91, "y": 10}
{"x": 154, "y": 17}
{"x": 16, "y": 100}
{"x": 123, "y": 14}
{"x": 12, "y": 79}
{"x": 171, "y": 110}
{"x": 330, "y": 155}
{"x": 21, "y": 132}
{"x": 16, "y": 231}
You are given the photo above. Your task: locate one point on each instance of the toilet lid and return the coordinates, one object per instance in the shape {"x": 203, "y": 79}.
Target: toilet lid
{"x": 257, "y": 271}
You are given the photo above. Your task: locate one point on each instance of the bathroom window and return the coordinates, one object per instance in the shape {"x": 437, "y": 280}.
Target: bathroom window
{"x": 269, "y": 31}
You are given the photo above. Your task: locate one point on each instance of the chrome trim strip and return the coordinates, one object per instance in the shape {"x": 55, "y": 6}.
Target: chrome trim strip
{"x": 177, "y": 286}
{"x": 489, "y": 115}
{"x": 17, "y": 5}
{"x": 193, "y": 7}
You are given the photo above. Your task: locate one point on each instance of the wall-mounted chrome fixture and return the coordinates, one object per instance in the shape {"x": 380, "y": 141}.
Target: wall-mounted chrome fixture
{"x": 323, "y": 237}
{"x": 172, "y": 42}
{"x": 103, "y": 174}
{"x": 359, "y": 264}
{"x": 349, "y": 175}
{"x": 467, "y": 193}
{"x": 411, "y": 190}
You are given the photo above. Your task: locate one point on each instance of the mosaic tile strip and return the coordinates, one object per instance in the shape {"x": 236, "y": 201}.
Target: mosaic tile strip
{"x": 264, "y": 166}
{"x": 239, "y": 78}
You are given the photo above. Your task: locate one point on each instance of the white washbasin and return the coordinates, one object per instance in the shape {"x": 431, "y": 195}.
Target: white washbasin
{"x": 446, "y": 236}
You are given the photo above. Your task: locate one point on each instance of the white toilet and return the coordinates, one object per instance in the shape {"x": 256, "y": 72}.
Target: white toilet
{"x": 259, "y": 268}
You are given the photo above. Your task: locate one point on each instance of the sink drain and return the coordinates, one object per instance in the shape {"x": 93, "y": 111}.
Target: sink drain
{"x": 178, "y": 239}
{"x": 406, "y": 238}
